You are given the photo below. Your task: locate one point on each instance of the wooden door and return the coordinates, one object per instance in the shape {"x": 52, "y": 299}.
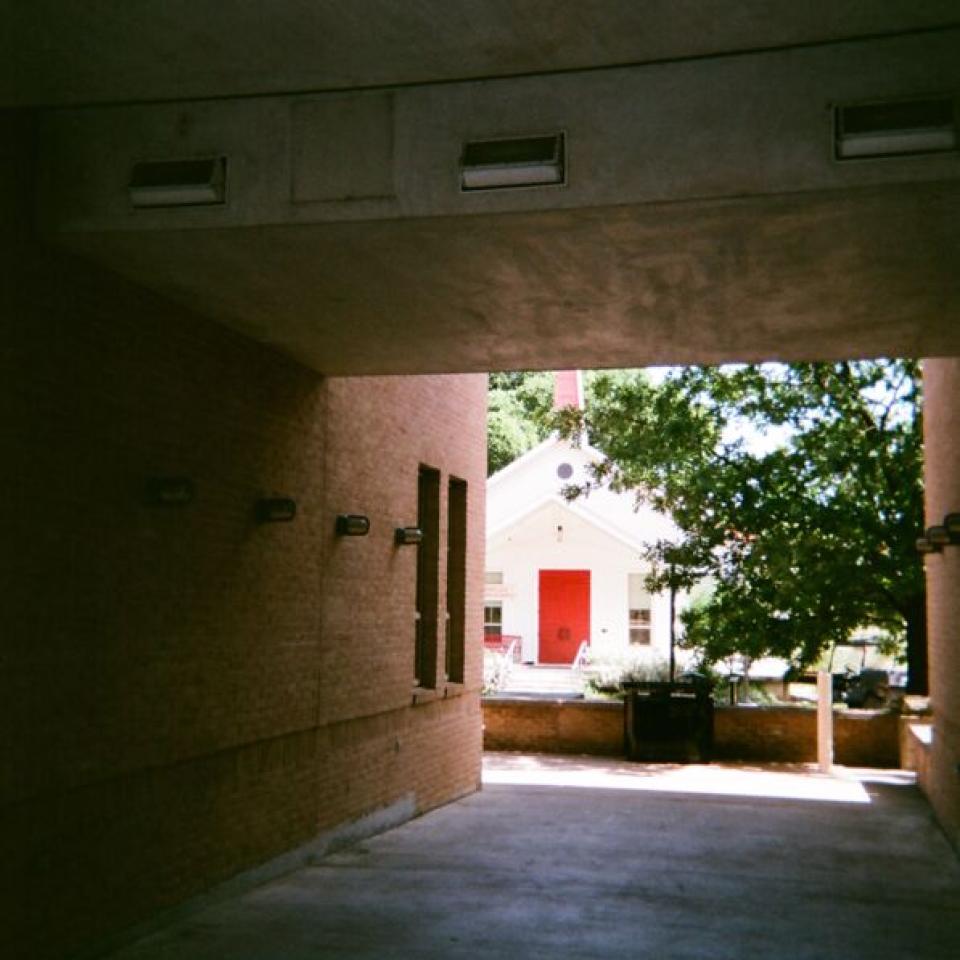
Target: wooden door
{"x": 564, "y": 614}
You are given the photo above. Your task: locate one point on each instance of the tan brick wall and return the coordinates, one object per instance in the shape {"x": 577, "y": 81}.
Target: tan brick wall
{"x": 942, "y": 484}
{"x": 185, "y": 693}
{"x": 553, "y": 726}
{"x": 789, "y": 734}
{"x": 768, "y": 734}
{"x": 381, "y": 429}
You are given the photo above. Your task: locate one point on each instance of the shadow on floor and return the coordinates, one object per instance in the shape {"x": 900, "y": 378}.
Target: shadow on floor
{"x": 567, "y": 858}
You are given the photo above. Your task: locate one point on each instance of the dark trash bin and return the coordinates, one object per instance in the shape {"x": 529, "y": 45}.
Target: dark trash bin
{"x": 669, "y": 722}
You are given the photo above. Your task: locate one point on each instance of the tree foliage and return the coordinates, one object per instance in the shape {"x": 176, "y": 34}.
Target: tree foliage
{"x": 805, "y": 536}
{"x": 518, "y": 415}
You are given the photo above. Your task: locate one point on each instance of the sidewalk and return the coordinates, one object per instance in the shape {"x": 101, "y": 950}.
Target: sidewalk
{"x": 565, "y": 858}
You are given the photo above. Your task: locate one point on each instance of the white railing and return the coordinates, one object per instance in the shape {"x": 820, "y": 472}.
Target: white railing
{"x": 503, "y": 663}
{"x": 581, "y": 658}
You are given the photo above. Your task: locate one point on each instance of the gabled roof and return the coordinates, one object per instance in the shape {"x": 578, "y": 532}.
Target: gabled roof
{"x": 554, "y": 440}
{"x": 577, "y": 510}
{"x": 514, "y": 465}
{"x": 520, "y": 489}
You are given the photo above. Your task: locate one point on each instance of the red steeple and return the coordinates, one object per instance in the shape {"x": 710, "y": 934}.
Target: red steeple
{"x": 567, "y": 389}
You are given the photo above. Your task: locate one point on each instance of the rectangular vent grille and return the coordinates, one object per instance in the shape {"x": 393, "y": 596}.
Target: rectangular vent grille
{"x": 498, "y": 164}
{"x": 895, "y": 128}
{"x": 179, "y": 183}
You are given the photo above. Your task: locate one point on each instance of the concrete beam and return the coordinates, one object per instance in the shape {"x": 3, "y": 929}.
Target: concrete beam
{"x": 704, "y": 218}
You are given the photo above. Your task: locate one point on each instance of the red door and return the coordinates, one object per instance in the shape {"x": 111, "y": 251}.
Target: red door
{"x": 564, "y": 614}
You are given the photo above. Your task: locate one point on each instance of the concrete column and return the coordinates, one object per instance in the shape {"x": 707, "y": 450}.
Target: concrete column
{"x": 825, "y": 721}
{"x": 942, "y": 484}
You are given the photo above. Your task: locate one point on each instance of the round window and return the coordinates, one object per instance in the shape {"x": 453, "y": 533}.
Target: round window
{"x": 564, "y": 471}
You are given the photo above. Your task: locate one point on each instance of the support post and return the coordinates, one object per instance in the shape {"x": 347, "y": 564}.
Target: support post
{"x": 673, "y": 626}
{"x": 824, "y": 721}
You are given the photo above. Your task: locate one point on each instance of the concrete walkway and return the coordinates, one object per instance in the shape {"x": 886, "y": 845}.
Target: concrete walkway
{"x": 573, "y": 858}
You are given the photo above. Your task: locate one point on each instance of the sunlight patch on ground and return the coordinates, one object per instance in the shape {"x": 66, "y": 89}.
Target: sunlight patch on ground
{"x": 771, "y": 781}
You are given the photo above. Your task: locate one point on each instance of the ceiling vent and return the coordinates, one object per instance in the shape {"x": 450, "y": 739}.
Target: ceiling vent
{"x": 895, "y": 128}
{"x": 500, "y": 164}
{"x": 179, "y": 183}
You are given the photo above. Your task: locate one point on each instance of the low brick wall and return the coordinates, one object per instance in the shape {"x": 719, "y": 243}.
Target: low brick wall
{"x": 862, "y": 738}
{"x": 916, "y": 736}
{"x": 553, "y": 726}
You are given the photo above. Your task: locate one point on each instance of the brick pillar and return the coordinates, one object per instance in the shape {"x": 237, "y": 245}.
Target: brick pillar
{"x": 942, "y": 479}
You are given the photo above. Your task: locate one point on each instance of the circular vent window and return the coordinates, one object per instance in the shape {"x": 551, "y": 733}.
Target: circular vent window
{"x": 564, "y": 471}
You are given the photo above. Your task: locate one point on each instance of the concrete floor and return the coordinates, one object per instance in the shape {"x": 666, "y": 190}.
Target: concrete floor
{"x": 572, "y": 858}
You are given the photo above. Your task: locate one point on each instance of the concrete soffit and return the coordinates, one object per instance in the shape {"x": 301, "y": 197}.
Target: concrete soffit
{"x": 702, "y": 215}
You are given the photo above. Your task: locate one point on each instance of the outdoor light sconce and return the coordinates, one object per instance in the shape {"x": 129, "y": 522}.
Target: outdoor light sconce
{"x": 179, "y": 183}
{"x": 275, "y": 510}
{"x": 352, "y": 525}
{"x": 526, "y": 162}
{"x": 892, "y": 128}
{"x": 939, "y": 536}
{"x": 925, "y": 545}
{"x": 951, "y": 523}
{"x": 169, "y": 491}
{"x": 407, "y": 536}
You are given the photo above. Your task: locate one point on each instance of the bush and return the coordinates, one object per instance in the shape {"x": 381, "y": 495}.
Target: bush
{"x": 605, "y": 676}
{"x": 496, "y": 669}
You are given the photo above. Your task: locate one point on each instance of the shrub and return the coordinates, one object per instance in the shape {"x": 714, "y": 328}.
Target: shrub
{"x": 606, "y": 676}
{"x": 496, "y": 669}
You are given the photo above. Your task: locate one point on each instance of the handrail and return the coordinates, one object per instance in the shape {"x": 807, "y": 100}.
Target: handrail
{"x": 581, "y": 658}
{"x": 504, "y": 664}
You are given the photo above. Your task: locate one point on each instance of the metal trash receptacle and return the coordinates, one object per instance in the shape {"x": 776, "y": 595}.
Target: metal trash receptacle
{"x": 668, "y": 722}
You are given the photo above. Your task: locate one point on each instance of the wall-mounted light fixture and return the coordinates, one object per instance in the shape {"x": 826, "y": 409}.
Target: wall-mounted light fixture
{"x": 892, "y": 128}
{"x": 352, "y": 525}
{"x": 925, "y": 546}
{"x": 179, "y": 183}
{"x": 939, "y": 536}
{"x": 407, "y": 536}
{"x": 275, "y": 510}
{"x": 169, "y": 491}
{"x": 952, "y": 524}
{"x": 519, "y": 162}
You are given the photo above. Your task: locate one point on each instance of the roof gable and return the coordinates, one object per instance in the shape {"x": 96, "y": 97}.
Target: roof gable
{"x": 623, "y": 537}
{"x": 540, "y": 476}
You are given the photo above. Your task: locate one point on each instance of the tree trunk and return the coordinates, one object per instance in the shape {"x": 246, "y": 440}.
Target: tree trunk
{"x": 917, "y": 645}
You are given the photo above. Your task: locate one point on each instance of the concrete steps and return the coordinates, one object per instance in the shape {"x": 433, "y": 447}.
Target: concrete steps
{"x": 524, "y": 679}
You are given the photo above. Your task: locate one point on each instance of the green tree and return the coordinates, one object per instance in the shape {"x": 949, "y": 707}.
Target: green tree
{"x": 518, "y": 415}
{"x": 805, "y": 537}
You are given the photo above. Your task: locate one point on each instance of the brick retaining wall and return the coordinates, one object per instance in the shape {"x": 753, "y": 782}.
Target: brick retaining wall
{"x": 863, "y": 738}
{"x": 553, "y": 726}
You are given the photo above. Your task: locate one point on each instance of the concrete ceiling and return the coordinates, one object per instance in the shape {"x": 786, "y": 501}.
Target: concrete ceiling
{"x": 704, "y": 220}
{"x": 869, "y": 273}
{"x": 52, "y": 52}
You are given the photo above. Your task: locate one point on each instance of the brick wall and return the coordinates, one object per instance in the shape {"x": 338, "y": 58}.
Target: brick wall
{"x": 553, "y": 726}
{"x": 185, "y": 693}
{"x": 941, "y": 379}
{"x": 768, "y": 734}
{"x": 789, "y": 734}
{"x": 381, "y": 429}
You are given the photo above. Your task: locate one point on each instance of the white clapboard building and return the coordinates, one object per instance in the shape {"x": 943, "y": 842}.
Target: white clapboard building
{"x": 563, "y": 573}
